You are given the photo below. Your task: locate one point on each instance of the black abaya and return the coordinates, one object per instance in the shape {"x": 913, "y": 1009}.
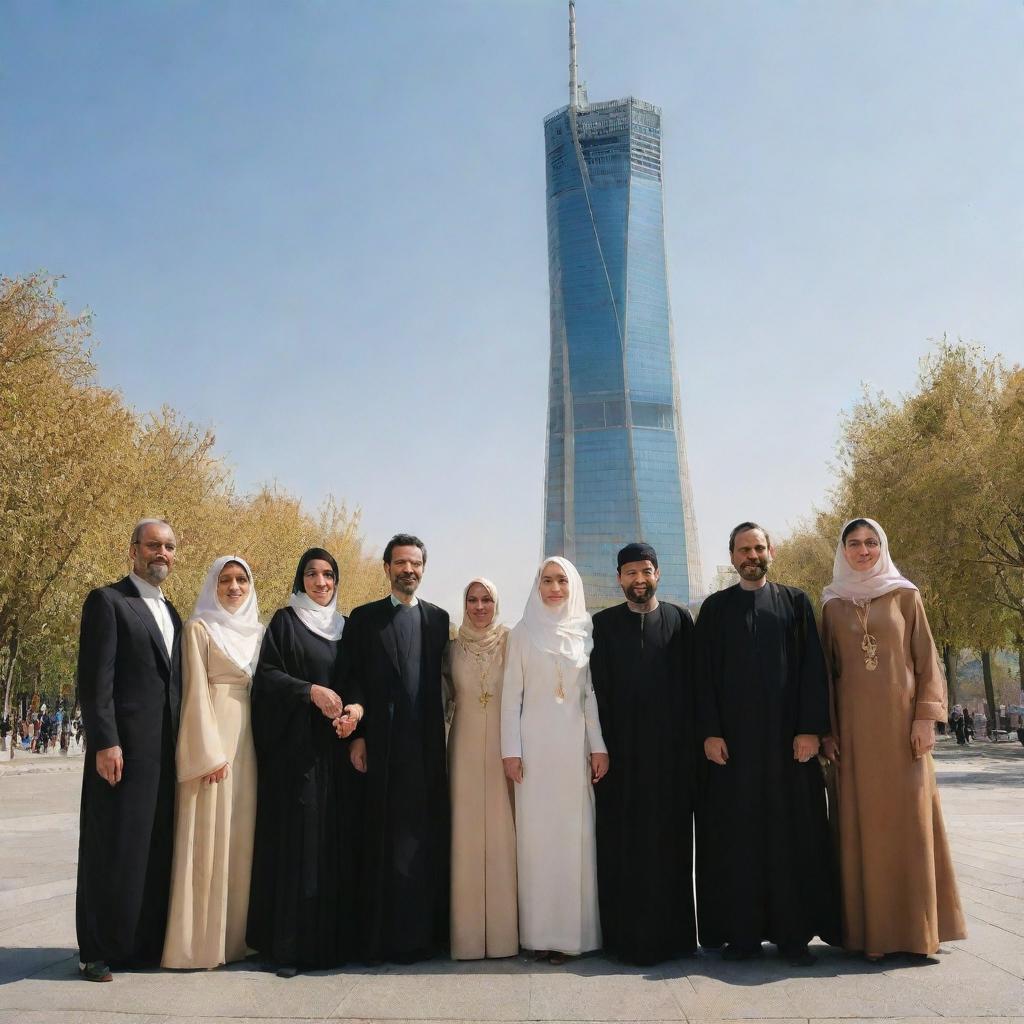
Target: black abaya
{"x": 640, "y": 668}
{"x": 303, "y": 872}
{"x": 765, "y": 864}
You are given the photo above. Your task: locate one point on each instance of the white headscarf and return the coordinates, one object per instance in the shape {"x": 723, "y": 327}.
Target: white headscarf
{"x": 323, "y": 619}
{"x": 861, "y": 586}
{"x": 481, "y": 643}
{"x": 565, "y": 630}
{"x": 236, "y": 633}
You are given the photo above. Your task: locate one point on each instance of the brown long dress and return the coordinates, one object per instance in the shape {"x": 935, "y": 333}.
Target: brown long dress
{"x": 484, "y": 914}
{"x": 213, "y": 822}
{"x": 899, "y": 890}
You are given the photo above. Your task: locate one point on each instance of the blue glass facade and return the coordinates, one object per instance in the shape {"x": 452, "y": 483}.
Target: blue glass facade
{"x": 616, "y": 461}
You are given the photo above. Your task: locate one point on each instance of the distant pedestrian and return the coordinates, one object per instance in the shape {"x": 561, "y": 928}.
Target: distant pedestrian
{"x": 968, "y": 725}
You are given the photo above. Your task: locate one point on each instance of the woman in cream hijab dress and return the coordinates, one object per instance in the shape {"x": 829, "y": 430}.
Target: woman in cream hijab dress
{"x": 483, "y": 893}
{"x": 899, "y": 893}
{"x": 553, "y": 751}
{"x": 215, "y": 805}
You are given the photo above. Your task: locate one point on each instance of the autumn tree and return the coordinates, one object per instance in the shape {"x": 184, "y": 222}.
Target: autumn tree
{"x": 78, "y": 468}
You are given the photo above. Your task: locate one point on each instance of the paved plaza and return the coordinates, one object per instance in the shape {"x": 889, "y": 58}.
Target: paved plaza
{"x": 981, "y": 977}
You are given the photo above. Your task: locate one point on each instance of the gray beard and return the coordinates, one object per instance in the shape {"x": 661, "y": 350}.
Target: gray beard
{"x": 156, "y": 574}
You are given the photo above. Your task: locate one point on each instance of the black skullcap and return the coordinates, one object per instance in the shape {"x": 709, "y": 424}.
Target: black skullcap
{"x": 326, "y": 556}
{"x": 637, "y": 552}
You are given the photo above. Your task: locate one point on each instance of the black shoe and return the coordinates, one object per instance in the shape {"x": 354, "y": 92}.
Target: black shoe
{"x": 288, "y": 971}
{"x": 798, "y": 956}
{"x": 734, "y": 951}
{"x": 95, "y": 970}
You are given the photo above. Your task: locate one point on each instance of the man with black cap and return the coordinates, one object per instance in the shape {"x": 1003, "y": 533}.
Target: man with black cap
{"x": 640, "y": 671}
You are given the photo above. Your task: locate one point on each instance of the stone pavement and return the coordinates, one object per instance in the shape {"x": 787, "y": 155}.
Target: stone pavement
{"x": 981, "y": 977}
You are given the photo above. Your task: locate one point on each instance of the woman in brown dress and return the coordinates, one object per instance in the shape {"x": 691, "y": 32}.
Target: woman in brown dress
{"x": 484, "y": 915}
{"x": 899, "y": 892}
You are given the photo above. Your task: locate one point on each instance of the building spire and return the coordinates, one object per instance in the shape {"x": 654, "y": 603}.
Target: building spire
{"x": 574, "y": 89}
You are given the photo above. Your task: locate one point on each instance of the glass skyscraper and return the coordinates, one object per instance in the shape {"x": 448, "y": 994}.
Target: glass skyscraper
{"x": 616, "y": 459}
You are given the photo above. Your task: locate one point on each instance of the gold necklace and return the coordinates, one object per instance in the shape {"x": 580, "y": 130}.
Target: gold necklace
{"x": 560, "y": 691}
{"x": 869, "y": 645}
{"x": 483, "y": 666}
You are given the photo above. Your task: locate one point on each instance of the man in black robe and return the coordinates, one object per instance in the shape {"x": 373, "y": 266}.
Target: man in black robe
{"x": 765, "y": 868}
{"x": 640, "y": 669}
{"x": 129, "y": 686}
{"x": 394, "y": 651}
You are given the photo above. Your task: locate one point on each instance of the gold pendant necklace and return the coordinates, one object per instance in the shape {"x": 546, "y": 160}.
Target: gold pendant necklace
{"x": 483, "y": 667}
{"x": 869, "y": 645}
{"x": 560, "y": 692}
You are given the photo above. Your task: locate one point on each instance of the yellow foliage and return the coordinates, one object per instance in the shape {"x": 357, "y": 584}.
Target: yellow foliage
{"x": 78, "y": 468}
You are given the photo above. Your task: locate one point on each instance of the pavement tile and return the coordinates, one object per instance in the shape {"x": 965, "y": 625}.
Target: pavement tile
{"x": 582, "y": 996}
{"x": 393, "y": 996}
{"x": 84, "y": 1017}
{"x": 975, "y": 980}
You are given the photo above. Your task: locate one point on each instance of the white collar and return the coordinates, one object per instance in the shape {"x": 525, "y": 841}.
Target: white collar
{"x": 412, "y": 604}
{"x": 145, "y": 588}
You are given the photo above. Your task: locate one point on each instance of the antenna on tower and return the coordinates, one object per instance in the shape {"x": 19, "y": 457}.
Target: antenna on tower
{"x": 574, "y": 89}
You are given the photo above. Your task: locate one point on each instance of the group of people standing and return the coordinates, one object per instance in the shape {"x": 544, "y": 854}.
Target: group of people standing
{"x": 370, "y": 789}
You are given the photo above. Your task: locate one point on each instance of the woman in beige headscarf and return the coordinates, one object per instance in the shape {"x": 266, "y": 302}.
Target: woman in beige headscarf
{"x": 215, "y": 803}
{"x": 899, "y": 891}
{"x": 484, "y": 920}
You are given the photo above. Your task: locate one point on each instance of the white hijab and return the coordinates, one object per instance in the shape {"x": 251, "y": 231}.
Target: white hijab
{"x": 323, "y": 619}
{"x": 236, "y": 633}
{"x": 565, "y": 630}
{"x": 861, "y": 586}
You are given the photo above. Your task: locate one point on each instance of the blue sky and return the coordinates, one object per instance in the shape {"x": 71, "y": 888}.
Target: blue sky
{"x": 319, "y": 228}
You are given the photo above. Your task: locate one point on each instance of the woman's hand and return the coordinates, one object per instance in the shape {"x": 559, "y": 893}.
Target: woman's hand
{"x": 346, "y": 724}
{"x": 805, "y": 746}
{"x": 326, "y": 700}
{"x": 922, "y": 737}
{"x": 598, "y": 767}
{"x": 513, "y": 768}
{"x": 357, "y": 754}
{"x": 218, "y": 776}
{"x": 830, "y": 748}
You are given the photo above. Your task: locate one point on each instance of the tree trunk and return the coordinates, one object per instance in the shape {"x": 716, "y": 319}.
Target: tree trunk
{"x": 990, "y": 696}
{"x": 950, "y": 658}
{"x": 12, "y": 655}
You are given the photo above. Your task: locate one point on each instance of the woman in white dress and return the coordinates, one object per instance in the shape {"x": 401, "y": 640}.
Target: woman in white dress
{"x": 215, "y": 804}
{"x": 553, "y": 751}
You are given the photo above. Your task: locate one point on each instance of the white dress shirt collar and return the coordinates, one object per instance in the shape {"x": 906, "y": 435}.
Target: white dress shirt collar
{"x": 412, "y": 604}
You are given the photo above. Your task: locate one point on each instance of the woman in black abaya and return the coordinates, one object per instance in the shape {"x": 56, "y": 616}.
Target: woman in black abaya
{"x": 299, "y": 909}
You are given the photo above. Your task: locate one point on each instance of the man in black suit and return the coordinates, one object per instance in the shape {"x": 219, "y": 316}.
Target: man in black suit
{"x": 129, "y": 686}
{"x": 394, "y": 651}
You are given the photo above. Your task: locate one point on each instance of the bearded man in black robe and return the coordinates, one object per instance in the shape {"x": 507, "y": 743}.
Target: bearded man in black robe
{"x": 641, "y": 673}
{"x": 394, "y": 651}
{"x": 129, "y": 686}
{"x": 765, "y": 866}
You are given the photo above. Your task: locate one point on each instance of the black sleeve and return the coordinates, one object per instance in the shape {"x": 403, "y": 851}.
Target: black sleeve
{"x": 97, "y": 657}
{"x": 271, "y": 675}
{"x": 276, "y": 694}
{"x": 352, "y": 682}
{"x": 704, "y": 681}
{"x": 600, "y": 675}
{"x": 813, "y": 716}
{"x": 348, "y": 677}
